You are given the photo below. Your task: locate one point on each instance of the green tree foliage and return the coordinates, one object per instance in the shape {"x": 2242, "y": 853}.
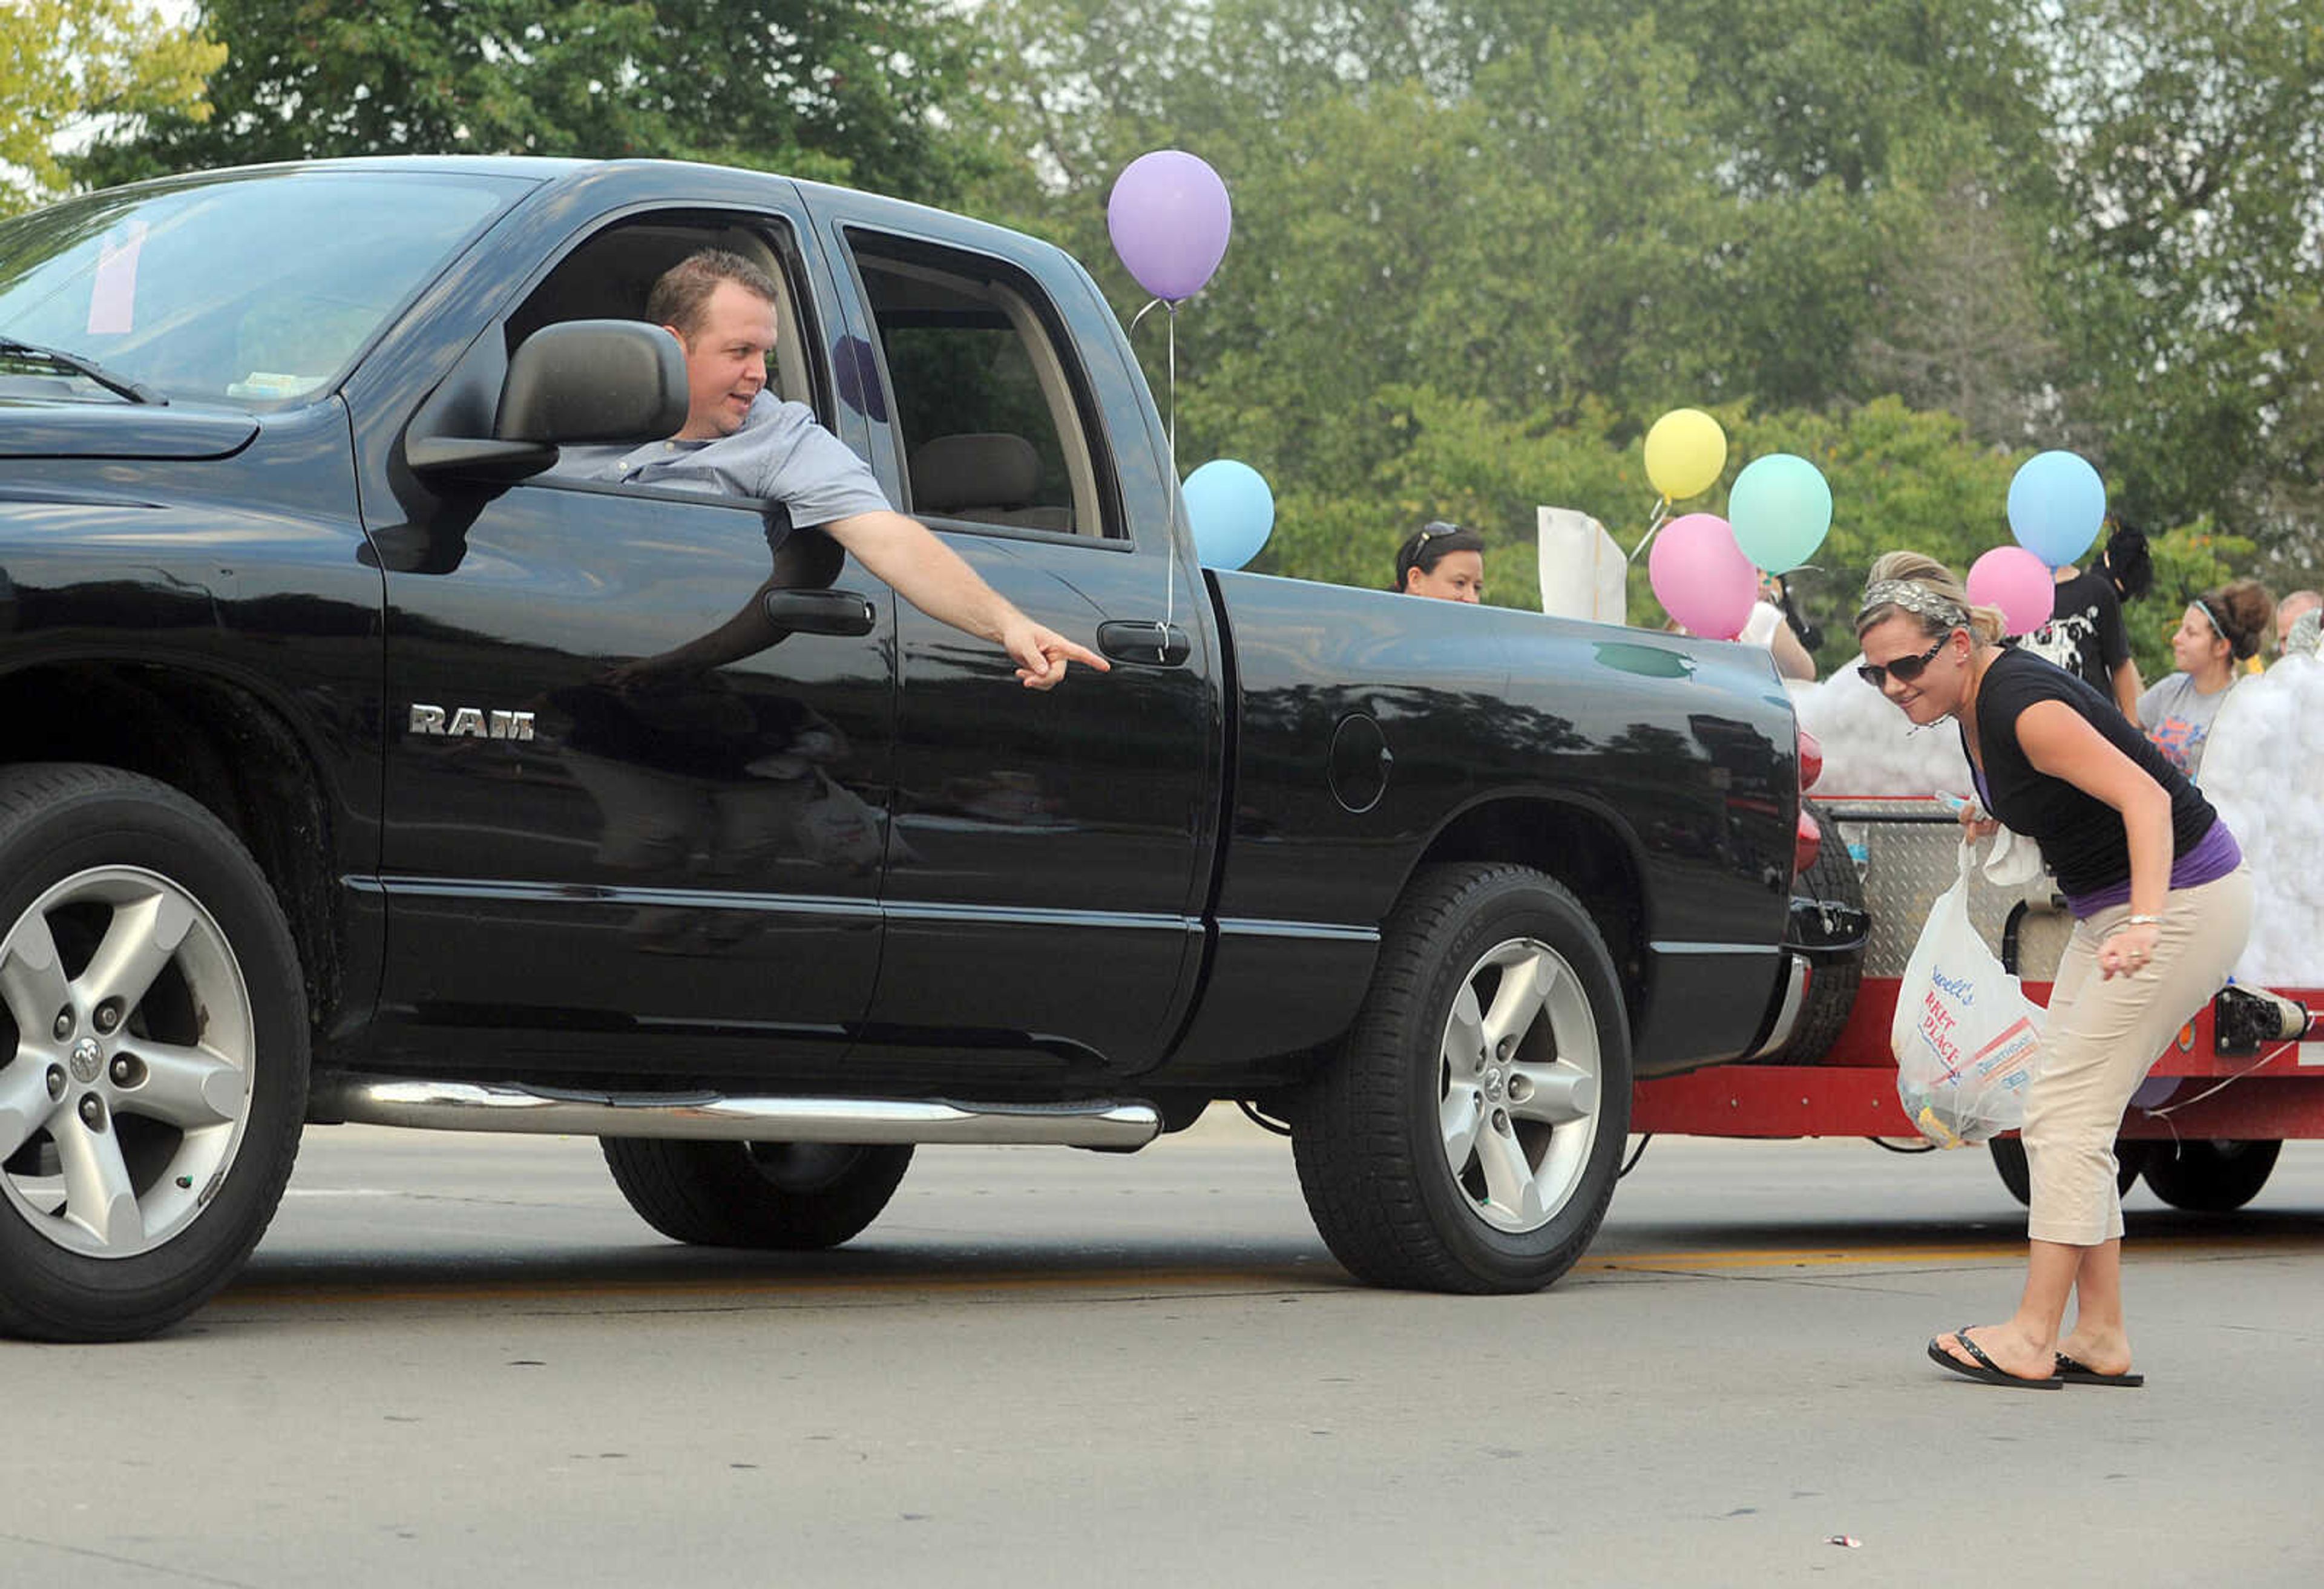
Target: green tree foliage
{"x": 1481, "y": 244}
{"x": 847, "y": 90}
{"x": 2190, "y": 139}
{"x": 1478, "y": 246}
{"x": 68, "y": 64}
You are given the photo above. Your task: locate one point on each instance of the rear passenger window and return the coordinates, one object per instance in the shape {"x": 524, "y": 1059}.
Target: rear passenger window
{"x": 985, "y": 402}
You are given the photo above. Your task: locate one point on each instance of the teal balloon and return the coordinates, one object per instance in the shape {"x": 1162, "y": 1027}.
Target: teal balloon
{"x": 1781, "y": 508}
{"x": 2056, "y": 504}
{"x": 1231, "y": 511}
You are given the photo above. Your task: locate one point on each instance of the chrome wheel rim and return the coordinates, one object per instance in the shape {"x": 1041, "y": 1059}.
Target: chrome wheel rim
{"x": 125, "y": 1092}
{"x": 1519, "y": 1084}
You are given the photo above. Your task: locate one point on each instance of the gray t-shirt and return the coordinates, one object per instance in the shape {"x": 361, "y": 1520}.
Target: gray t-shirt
{"x": 782, "y": 452}
{"x": 2177, "y": 717}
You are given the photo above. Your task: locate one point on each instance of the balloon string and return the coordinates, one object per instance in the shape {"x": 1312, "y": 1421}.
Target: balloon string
{"x": 1661, "y": 511}
{"x": 1170, "y": 595}
{"x": 1170, "y": 592}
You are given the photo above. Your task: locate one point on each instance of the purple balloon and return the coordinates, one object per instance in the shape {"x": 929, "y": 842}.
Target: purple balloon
{"x": 1170, "y": 218}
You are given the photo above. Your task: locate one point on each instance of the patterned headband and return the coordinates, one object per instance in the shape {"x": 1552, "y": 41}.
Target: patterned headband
{"x": 2208, "y": 618}
{"x": 1915, "y": 598}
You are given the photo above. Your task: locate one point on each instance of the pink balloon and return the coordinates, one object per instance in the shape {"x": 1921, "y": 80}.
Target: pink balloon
{"x": 1702, "y": 577}
{"x": 2018, "y": 583}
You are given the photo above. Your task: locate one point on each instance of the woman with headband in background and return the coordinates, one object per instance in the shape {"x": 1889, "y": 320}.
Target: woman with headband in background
{"x": 1444, "y": 561}
{"x": 2162, "y": 903}
{"x": 2220, "y": 629}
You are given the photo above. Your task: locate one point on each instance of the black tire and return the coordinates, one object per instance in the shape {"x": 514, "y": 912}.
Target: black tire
{"x": 2009, "y": 1163}
{"x": 1370, "y": 1135}
{"x": 770, "y": 1195}
{"x": 1832, "y": 982}
{"x": 2210, "y": 1177}
{"x": 196, "y": 1142}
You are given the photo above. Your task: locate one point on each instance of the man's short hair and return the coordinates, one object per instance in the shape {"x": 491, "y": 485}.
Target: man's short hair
{"x": 679, "y": 298}
{"x": 2294, "y": 606}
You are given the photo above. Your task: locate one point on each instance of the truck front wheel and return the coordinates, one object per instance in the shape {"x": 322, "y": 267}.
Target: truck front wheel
{"x": 1469, "y": 1133}
{"x": 779, "y": 1195}
{"x": 153, "y": 1046}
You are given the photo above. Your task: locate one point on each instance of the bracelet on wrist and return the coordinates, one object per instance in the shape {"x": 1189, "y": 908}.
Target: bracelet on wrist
{"x": 2141, "y": 920}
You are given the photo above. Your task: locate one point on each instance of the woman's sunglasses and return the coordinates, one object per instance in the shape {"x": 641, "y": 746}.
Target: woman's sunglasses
{"x": 1409, "y": 559}
{"x": 1905, "y": 669}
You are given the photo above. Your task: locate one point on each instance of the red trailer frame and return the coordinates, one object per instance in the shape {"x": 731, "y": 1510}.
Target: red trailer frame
{"x": 1850, "y": 1091}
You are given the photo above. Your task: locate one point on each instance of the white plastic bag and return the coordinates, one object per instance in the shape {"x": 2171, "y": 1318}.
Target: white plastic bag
{"x": 1966, "y": 1039}
{"x": 2014, "y": 860}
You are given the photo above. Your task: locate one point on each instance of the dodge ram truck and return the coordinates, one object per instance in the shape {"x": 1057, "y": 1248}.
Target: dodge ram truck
{"x": 362, "y": 766}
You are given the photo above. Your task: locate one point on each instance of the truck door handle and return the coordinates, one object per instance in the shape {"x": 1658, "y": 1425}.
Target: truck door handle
{"x": 1141, "y": 640}
{"x": 821, "y": 612}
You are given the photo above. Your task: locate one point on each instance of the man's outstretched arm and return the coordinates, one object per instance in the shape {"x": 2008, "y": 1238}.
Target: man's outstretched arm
{"x": 938, "y": 581}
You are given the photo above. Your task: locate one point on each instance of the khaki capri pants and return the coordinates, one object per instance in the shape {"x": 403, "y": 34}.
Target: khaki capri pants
{"x": 2102, "y": 1035}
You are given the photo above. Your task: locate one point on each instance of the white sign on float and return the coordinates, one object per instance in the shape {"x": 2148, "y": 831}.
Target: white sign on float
{"x": 1583, "y": 574}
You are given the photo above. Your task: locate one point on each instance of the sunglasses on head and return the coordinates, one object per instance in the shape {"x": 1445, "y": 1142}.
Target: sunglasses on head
{"x": 1422, "y": 537}
{"x": 1905, "y": 669}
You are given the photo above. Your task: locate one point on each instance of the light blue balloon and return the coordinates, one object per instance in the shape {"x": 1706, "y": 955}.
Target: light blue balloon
{"x": 1780, "y": 508}
{"x": 2056, "y": 504}
{"x": 1230, "y": 510}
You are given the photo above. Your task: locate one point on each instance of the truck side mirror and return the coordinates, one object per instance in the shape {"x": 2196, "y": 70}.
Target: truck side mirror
{"x": 580, "y": 381}
{"x": 594, "y": 380}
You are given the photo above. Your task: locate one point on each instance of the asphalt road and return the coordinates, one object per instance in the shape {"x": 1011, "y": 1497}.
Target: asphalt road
{"x": 462, "y": 1360}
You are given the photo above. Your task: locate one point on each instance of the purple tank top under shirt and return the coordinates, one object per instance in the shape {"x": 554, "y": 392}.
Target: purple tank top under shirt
{"x": 2215, "y": 854}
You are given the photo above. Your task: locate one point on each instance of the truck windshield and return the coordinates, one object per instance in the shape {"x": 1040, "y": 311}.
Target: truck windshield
{"x": 255, "y": 290}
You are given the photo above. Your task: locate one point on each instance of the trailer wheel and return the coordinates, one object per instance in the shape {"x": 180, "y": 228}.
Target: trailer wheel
{"x": 2210, "y": 1177}
{"x": 1832, "y": 982}
{"x": 1468, "y": 1135}
{"x": 2009, "y": 1163}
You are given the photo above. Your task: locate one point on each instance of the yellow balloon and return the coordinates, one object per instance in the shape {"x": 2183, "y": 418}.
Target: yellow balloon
{"x": 1686, "y": 451}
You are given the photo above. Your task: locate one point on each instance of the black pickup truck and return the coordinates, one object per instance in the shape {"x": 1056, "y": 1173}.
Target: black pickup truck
{"x": 361, "y": 767}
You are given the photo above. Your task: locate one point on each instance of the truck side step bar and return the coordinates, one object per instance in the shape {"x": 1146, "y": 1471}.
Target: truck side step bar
{"x": 546, "y": 1111}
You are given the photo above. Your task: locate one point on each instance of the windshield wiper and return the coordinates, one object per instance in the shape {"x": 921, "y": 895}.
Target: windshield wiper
{"x": 88, "y": 368}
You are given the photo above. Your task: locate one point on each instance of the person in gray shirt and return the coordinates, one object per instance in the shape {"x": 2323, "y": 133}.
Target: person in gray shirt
{"x": 2220, "y": 630}
{"x": 740, "y": 440}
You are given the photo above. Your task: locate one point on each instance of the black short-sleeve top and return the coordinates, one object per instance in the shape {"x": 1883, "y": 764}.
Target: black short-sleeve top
{"x": 2080, "y": 835}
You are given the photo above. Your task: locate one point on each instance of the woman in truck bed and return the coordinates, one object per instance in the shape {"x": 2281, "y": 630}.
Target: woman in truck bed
{"x": 1444, "y": 561}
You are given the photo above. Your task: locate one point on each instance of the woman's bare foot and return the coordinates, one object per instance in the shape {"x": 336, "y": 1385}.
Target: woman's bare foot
{"x": 2107, "y": 1354}
{"x": 2011, "y": 1352}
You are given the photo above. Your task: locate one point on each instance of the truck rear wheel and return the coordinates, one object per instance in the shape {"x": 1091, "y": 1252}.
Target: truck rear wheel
{"x": 2210, "y": 1177}
{"x": 790, "y": 1196}
{"x": 1469, "y": 1134}
{"x": 1832, "y": 982}
{"x": 153, "y": 1041}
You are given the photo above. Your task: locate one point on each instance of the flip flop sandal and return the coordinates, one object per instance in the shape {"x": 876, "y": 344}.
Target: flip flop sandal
{"x": 1991, "y": 1374}
{"x": 2072, "y": 1373}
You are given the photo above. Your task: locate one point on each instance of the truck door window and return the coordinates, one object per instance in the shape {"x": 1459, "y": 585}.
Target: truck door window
{"x": 608, "y": 276}
{"x": 986, "y": 403}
